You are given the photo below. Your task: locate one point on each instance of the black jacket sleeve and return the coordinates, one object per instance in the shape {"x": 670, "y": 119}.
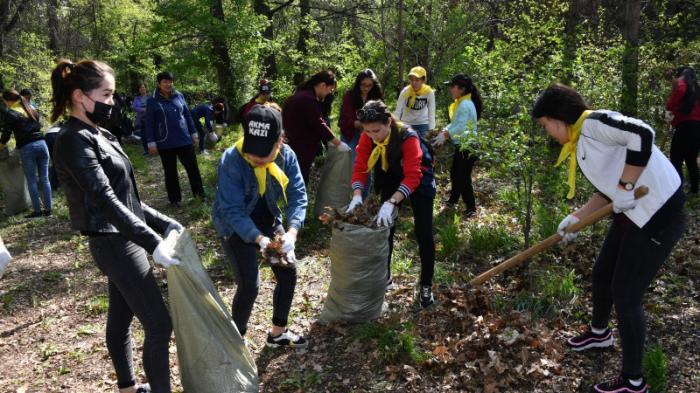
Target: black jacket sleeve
{"x": 87, "y": 172}
{"x": 156, "y": 219}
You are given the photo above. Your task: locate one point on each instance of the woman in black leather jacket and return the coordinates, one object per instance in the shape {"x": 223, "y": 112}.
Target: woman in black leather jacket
{"x": 104, "y": 205}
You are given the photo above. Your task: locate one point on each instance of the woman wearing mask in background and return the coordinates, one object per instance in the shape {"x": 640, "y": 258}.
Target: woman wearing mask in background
{"x": 23, "y": 121}
{"x": 304, "y": 124}
{"x": 464, "y": 113}
{"x": 366, "y": 88}
{"x": 104, "y": 205}
{"x": 684, "y": 103}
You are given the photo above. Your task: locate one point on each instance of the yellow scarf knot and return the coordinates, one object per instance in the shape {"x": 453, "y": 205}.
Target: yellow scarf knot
{"x": 261, "y": 172}
{"x": 454, "y": 105}
{"x": 569, "y": 150}
{"x": 413, "y": 94}
{"x": 17, "y": 107}
{"x": 379, "y": 151}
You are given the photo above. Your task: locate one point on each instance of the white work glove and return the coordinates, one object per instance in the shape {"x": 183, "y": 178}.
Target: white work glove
{"x": 5, "y": 258}
{"x": 174, "y": 226}
{"x": 623, "y": 200}
{"x": 356, "y": 201}
{"x": 439, "y": 139}
{"x": 384, "y": 217}
{"x": 565, "y": 223}
{"x": 263, "y": 243}
{"x": 288, "y": 241}
{"x": 163, "y": 255}
{"x": 343, "y": 147}
{"x": 291, "y": 257}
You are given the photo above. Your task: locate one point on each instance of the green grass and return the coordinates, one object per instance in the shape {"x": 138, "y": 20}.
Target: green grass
{"x": 301, "y": 381}
{"x": 450, "y": 241}
{"x": 490, "y": 238}
{"x": 393, "y": 345}
{"x": 553, "y": 289}
{"x": 97, "y": 305}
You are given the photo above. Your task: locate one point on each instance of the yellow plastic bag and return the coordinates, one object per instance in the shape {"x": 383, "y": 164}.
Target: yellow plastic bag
{"x": 212, "y": 355}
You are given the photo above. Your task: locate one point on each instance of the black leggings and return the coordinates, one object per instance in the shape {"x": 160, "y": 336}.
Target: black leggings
{"x": 627, "y": 263}
{"x": 422, "y": 207}
{"x": 684, "y": 148}
{"x": 188, "y": 158}
{"x": 461, "y": 178}
{"x": 133, "y": 291}
{"x": 244, "y": 262}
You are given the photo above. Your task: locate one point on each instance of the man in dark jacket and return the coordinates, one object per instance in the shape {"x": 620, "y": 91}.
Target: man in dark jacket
{"x": 170, "y": 133}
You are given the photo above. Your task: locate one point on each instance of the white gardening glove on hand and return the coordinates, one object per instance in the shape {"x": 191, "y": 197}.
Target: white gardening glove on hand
{"x": 288, "y": 241}
{"x": 356, "y": 201}
{"x": 163, "y": 255}
{"x": 263, "y": 243}
{"x": 565, "y": 223}
{"x": 343, "y": 147}
{"x": 384, "y": 217}
{"x": 623, "y": 200}
{"x": 5, "y": 258}
{"x": 174, "y": 226}
{"x": 439, "y": 139}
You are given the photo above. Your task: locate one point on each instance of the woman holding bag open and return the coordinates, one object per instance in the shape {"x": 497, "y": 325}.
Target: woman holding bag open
{"x": 105, "y": 206}
{"x": 403, "y": 169}
{"x": 617, "y": 154}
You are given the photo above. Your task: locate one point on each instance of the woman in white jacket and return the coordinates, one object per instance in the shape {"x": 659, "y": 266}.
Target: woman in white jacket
{"x": 617, "y": 154}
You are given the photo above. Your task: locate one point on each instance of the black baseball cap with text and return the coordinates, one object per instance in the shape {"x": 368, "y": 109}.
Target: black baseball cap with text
{"x": 261, "y": 130}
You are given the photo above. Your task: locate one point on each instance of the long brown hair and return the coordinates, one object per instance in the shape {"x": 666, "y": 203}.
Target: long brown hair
{"x": 12, "y": 96}
{"x": 67, "y": 76}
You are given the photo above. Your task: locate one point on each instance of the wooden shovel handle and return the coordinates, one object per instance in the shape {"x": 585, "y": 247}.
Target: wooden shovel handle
{"x": 550, "y": 241}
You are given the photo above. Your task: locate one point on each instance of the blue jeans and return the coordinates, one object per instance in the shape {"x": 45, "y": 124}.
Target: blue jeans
{"x": 421, "y": 129}
{"x": 35, "y": 158}
{"x": 353, "y": 144}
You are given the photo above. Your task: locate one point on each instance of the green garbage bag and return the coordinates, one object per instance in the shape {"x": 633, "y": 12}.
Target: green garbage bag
{"x": 211, "y": 353}
{"x": 334, "y": 188}
{"x": 13, "y": 183}
{"x": 358, "y": 273}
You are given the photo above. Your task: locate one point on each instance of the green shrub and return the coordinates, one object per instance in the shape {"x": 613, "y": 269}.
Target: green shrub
{"x": 656, "y": 368}
{"x": 485, "y": 239}
{"x": 392, "y": 345}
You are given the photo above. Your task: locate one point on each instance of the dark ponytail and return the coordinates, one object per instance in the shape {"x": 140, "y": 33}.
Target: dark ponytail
{"x": 327, "y": 77}
{"x": 469, "y": 88}
{"x": 692, "y": 93}
{"x": 67, "y": 77}
{"x": 13, "y": 96}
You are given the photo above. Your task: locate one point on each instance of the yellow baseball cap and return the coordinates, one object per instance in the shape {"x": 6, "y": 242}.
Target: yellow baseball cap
{"x": 418, "y": 72}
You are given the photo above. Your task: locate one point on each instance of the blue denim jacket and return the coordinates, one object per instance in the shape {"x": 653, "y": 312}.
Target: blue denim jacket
{"x": 237, "y": 195}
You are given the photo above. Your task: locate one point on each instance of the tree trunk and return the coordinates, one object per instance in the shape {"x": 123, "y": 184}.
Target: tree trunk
{"x": 630, "y": 58}
{"x": 52, "y": 25}
{"x": 401, "y": 58}
{"x": 304, "y": 12}
{"x": 9, "y": 19}
{"x": 222, "y": 60}
{"x": 570, "y": 40}
{"x": 269, "y": 61}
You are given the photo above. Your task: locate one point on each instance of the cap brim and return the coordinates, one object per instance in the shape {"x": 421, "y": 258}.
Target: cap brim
{"x": 255, "y": 147}
{"x": 448, "y": 83}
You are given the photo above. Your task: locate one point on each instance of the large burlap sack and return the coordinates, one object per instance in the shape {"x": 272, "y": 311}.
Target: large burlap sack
{"x": 358, "y": 273}
{"x": 334, "y": 188}
{"x": 12, "y": 182}
{"x": 212, "y": 355}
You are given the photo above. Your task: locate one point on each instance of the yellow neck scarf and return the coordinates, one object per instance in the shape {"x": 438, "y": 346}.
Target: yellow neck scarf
{"x": 412, "y": 94}
{"x": 380, "y": 151}
{"x": 17, "y": 107}
{"x": 261, "y": 172}
{"x": 453, "y": 106}
{"x": 260, "y": 100}
{"x": 569, "y": 150}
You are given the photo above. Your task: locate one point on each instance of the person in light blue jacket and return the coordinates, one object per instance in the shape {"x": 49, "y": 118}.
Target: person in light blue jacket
{"x": 464, "y": 113}
{"x": 254, "y": 176}
{"x": 170, "y": 133}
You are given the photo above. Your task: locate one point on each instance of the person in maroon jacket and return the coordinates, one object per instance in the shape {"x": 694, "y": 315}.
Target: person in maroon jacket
{"x": 403, "y": 169}
{"x": 303, "y": 120}
{"x": 366, "y": 88}
{"x": 684, "y": 103}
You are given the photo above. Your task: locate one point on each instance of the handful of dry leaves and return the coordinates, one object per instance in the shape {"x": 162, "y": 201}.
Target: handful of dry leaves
{"x": 273, "y": 255}
{"x": 363, "y": 215}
